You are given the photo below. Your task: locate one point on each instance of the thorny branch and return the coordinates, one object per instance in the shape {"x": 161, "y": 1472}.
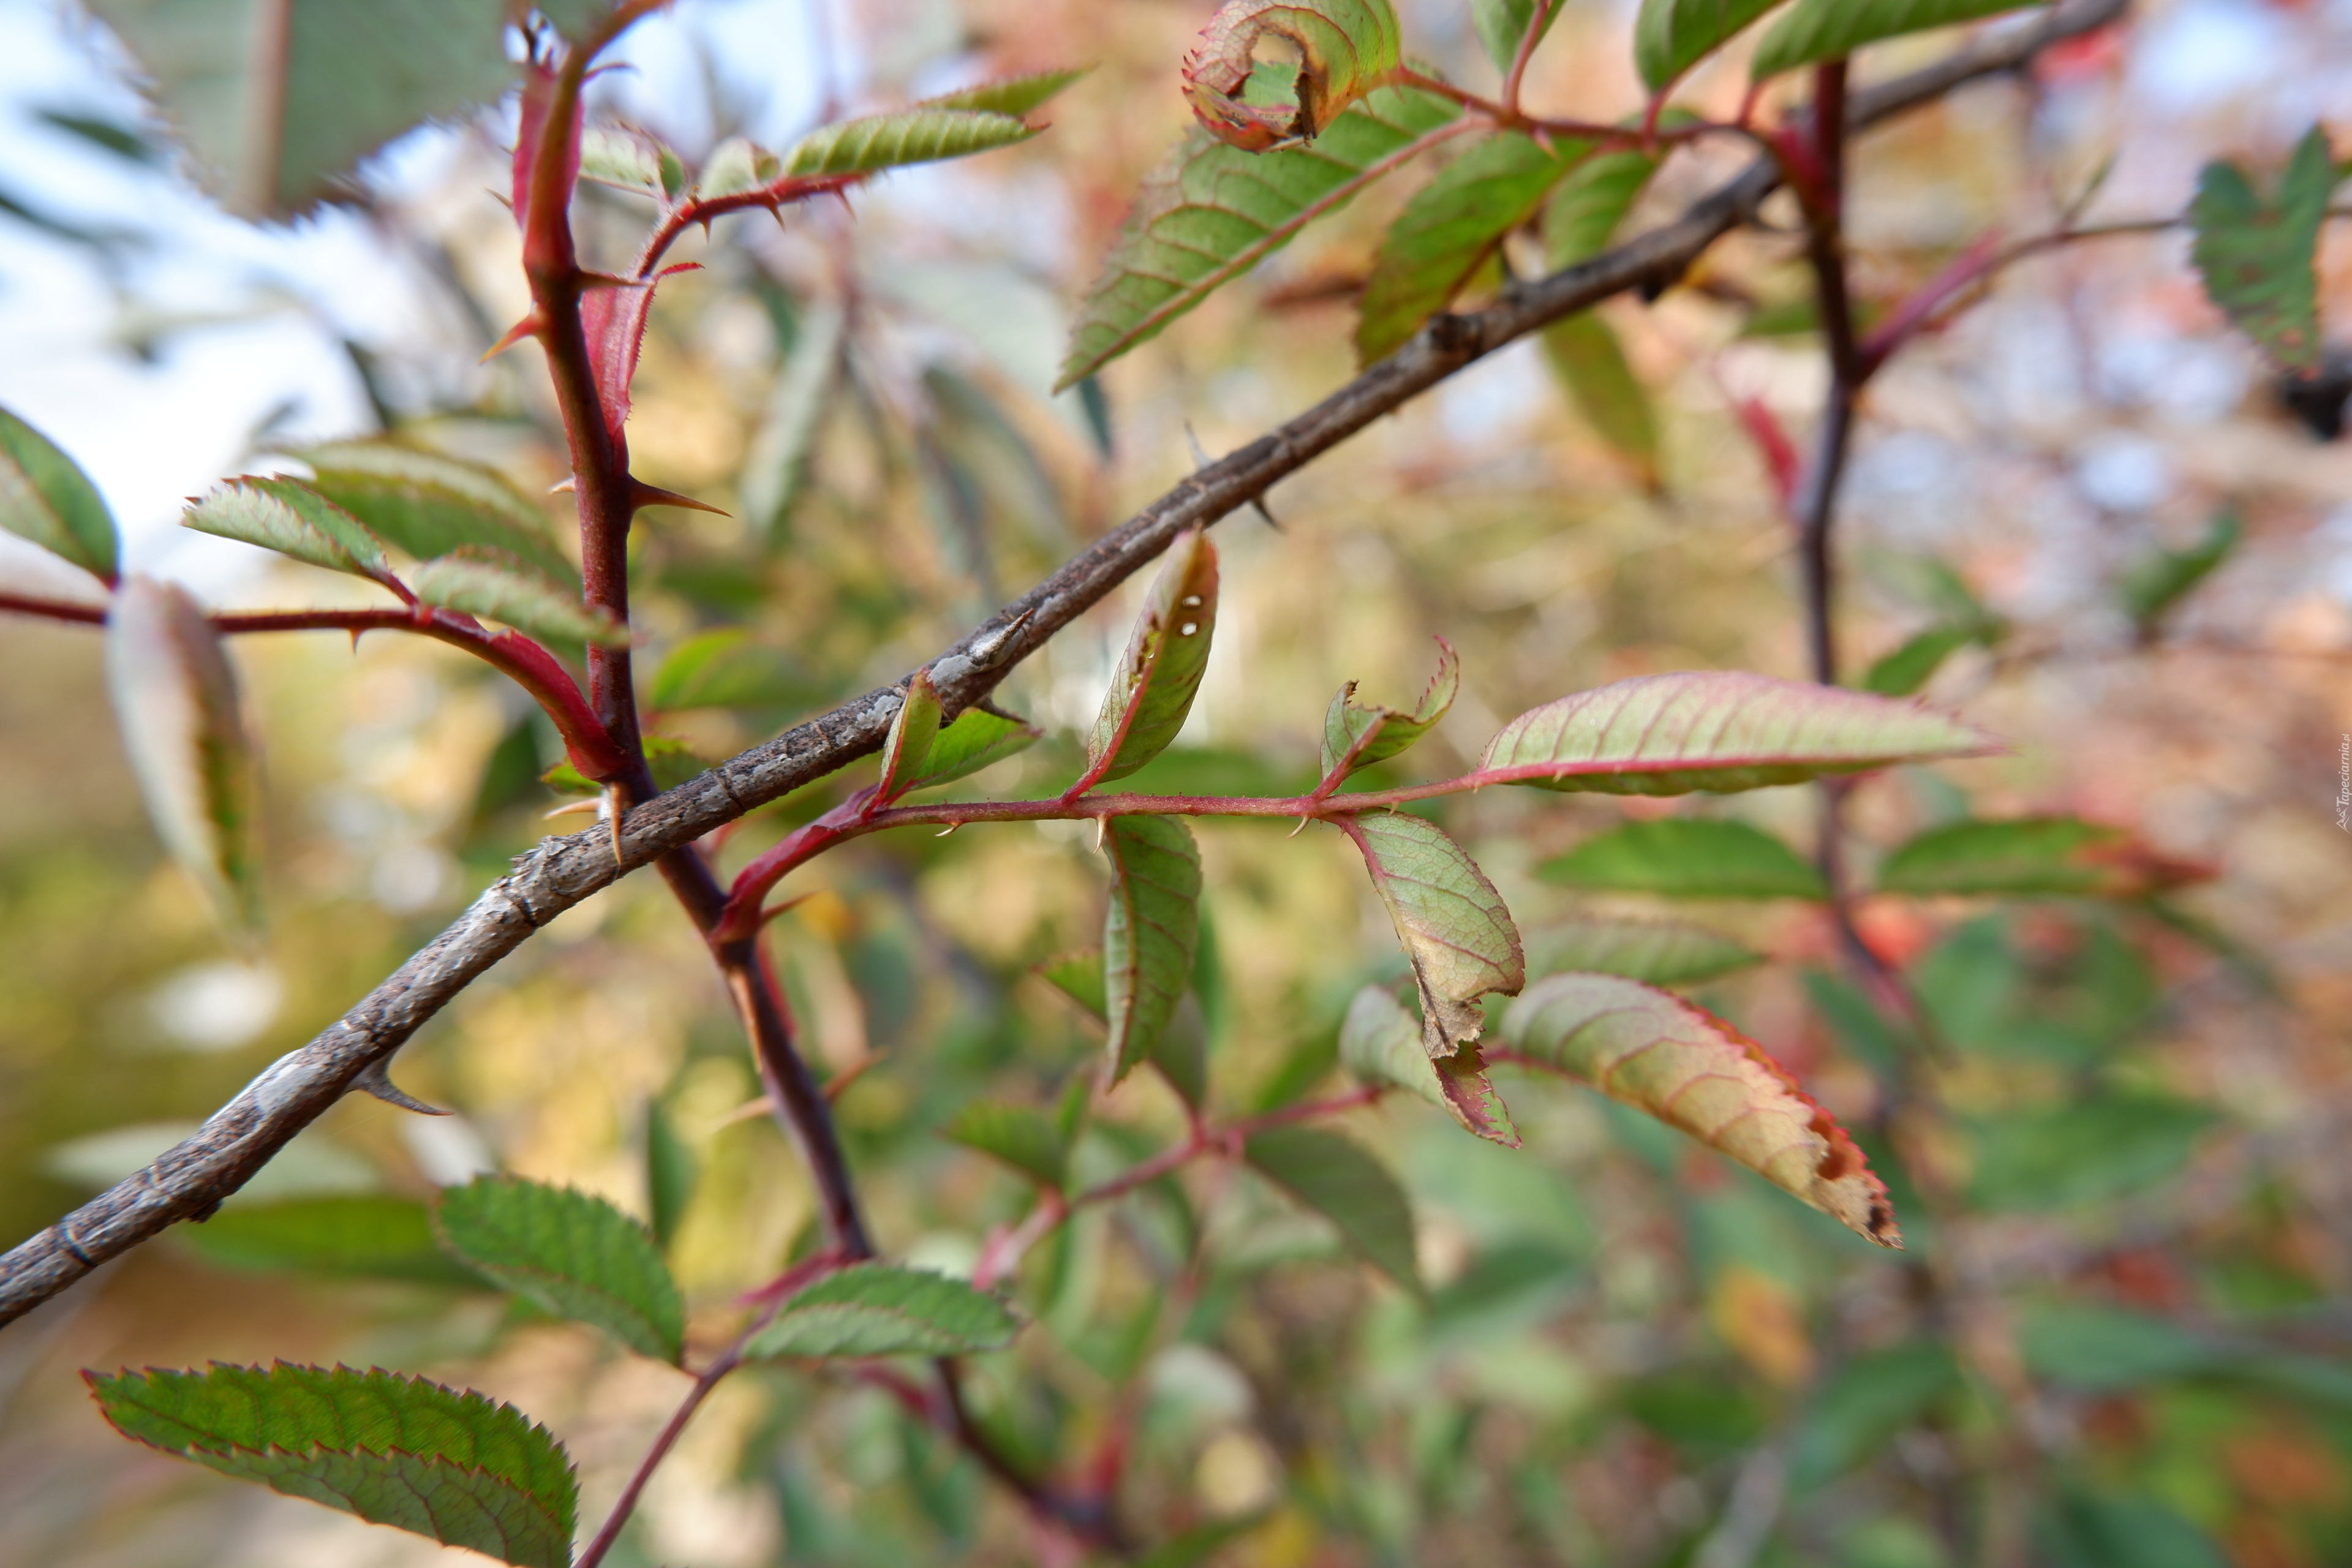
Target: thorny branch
{"x": 190, "y": 1180}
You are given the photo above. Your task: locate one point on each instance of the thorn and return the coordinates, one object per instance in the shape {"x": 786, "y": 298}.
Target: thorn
{"x": 615, "y": 802}
{"x": 839, "y": 1081}
{"x": 573, "y": 809}
{"x": 527, "y": 327}
{"x": 564, "y": 486}
{"x": 1257, "y": 505}
{"x": 746, "y": 1111}
{"x": 1102, "y": 833}
{"x": 950, "y": 827}
{"x": 1200, "y": 456}
{"x": 642, "y": 495}
{"x": 786, "y": 907}
{"x": 376, "y": 1078}
{"x": 1300, "y": 829}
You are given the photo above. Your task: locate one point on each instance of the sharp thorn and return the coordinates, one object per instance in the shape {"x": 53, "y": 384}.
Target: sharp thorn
{"x": 642, "y": 494}
{"x": 573, "y": 809}
{"x": 616, "y": 804}
{"x": 1300, "y": 828}
{"x": 564, "y": 486}
{"x": 376, "y": 1078}
{"x": 1200, "y": 456}
{"x": 1102, "y": 833}
{"x": 1257, "y": 505}
{"x": 523, "y": 329}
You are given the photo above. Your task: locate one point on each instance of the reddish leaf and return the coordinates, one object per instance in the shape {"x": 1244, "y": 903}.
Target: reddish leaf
{"x": 1345, "y": 49}
{"x": 612, "y": 315}
{"x": 531, "y": 130}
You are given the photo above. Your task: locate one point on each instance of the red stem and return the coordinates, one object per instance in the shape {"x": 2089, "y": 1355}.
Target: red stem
{"x": 706, "y": 210}
{"x": 1526, "y": 52}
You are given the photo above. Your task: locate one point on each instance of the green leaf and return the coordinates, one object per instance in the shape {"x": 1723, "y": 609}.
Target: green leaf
{"x": 776, "y": 461}
{"x": 1335, "y": 1176}
{"x": 293, "y": 520}
{"x": 1672, "y": 36}
{"x": 357, "y": 1235}
{"x": 906, "y": 749}
{"x": 571, "y": 1253}
{"x": 1589, "y": 206}
{"x": 1148, "y": 933}
{"x": 1501, "y": 24}
{"x": 1812, "y": 31}
{"x": 1210, "y": 213}
{"x": 428, "y": 504}
{"x": 1014, "y": 95}
{"x": 2054, "y": 855}
{"x": 1657, "y": 952}
{"x": 1716, "y": 731}
{"x": 1380, "y": 1042}
{"x": 874, "y": 1308}
{"x": 631, "y": 161}
{"x": 457, "y": 1467}
{"x": 2080, "y": 1529}
{"x": 276, "y": 102}
{"x": 1452, "y": 924}
{"x": 2256, "y": 253}
{"x": 1590, "y": 364}
{"x": 891, "y": 141}
{"x": 977, "y": 739}
{"x": 671, "y": 1171}
{"x": 1345, "y": 49}
{"x": 1687, "y": 858}
{"x": 175, "y": 702}
{"x": 2103, "y": 1351}
{"x": 505, "y": 589}
{"x": 1079, "y": 977}
{"x": 1448, "y": 230}
{"x": 2158, "y": 580}
{"x": 45, "y": 496}
{"x": 1690, "y": 1070}
{"x": 1358, "y": 736}
{"x": 1865, "y": 1403}
{"x": 2090, "y": 1153}
{"x": 1152, "y": 689}
{"x": 725, "y": 669}
{"x": 1021, "y": 1136}
{"x": 1910, "y": 667}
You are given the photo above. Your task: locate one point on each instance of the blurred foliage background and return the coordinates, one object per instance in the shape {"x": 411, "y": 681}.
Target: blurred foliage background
{"x": 2125, "y": 1320}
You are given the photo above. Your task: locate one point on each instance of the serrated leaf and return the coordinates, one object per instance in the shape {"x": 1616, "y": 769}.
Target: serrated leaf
{"x": 2158, "y": 580}
{"x": 175, "y": 701}
{"x": 1718, "y": 731}
{"x": 734, "y": 166}
{"x": 906, "y": 749}
{"x": 1152, "y": 688}
{"x": 1210, "y": 213}
{"x": 571, "y": 1254}
{"x": 1690, "y": 1070}
{"x": 45, "y": 496}
{"x": 277, "y": 101}
{"x": 454, "y": 1466}
{"x": 1380, "y": 1042}
{"x": 1812, "y": 31}
{"x": 370, "y": 1236}
{"x": 1658, "y": 952}
{"x": 1021, "y": 1136}
{"x": 1014, "y": 95}
{"x": 291, "y": 519}
{"x": 1448, "y": 230}
{"x": 1452, "y": 924}
{"x": 776, "y": 460}
{"x": 1687, "y": 858}
{"x": 2256, "y": 253}
{"x": 1502, "y": 24}
{"x": 2052, "y": 856}
{"x": 1584, "y": 353}
{"x": 1360, "y": 736}
{"x": 1585, "y": 209}
{"x": 725, "y": 669}
{"x": 977, "y": 739}
{"x": 1149, "y": 932}
{"x": 909, "y": 136}
{"x": 1910, "y": 667}
{"x": 1345, "y": 49}
{"x": 429, "y": 504}
{"x": 874, "y": 1308}
{"x": 1335, "y": 1176}
{"x": 1672, "y": 36}
{"x": 505, "y": 589}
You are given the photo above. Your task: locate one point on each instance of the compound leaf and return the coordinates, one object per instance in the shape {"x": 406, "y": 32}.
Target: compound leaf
{"x": 175, "y": 701}
{"x": 1812, "y": 31}
{"x": 909, "y": 136}
{"x": 291, "y": 519}
{"x": 1149, "y": 932}
{"x": 1658, "y": 952}
{"x": 1449, "y": 228}
{"x": 1210, "y": 213}
{"x": 571, "y": 1254}
{"x": 1672, "y": 36}
{"x": 1152, "y": 689}
{"x": 505, "y": 589}
{"x": 45, "y": 496}
{"x": 428, "y": 504}
{"x": 1358, "y": 736}
{"x": 876, "y": 1308}
{"x": 436, "y": 1462}
{"x": 1345, "y": 49}
{"x": 1687, "y": 858}
{"x": 1338, "y": 1179}
{"x": 2255, "y": 252}
{"x": 1452, "y": 924}
{"x": 1716, "y": 730}
{"x": 1691, "y": 1071}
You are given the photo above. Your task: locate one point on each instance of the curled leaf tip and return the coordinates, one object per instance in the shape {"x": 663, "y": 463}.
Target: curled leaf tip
{"x": 1345, "y": 49}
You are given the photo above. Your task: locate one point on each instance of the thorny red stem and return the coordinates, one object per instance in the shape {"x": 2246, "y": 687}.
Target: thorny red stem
{"x": 676, "y": 220}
